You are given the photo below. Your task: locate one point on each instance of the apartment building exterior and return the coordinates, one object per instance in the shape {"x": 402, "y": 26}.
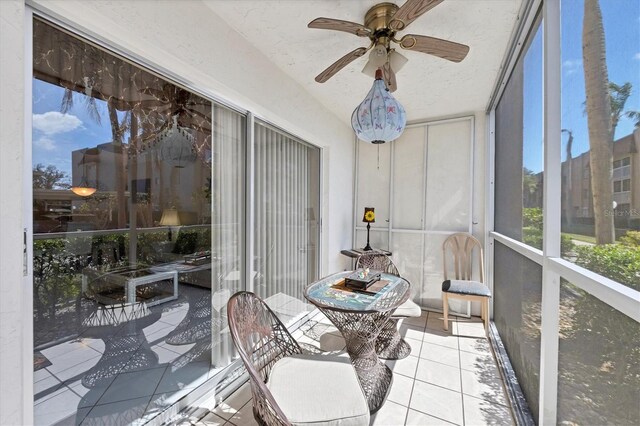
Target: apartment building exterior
{"x": 577, "y": 197}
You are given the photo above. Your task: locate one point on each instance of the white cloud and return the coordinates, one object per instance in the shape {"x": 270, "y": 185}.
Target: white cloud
{"x": 53, "y": 122}
{"x": 45, "y": 143}
{"x": 637, "y": 56}
{"x": 571, "y": 66}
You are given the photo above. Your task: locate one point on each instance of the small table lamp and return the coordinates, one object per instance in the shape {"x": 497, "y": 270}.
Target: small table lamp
{"x": 170, "y": 217}
{"x": 369, "y": 218}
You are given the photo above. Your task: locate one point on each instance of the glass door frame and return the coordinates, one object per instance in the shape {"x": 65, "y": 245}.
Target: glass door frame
{"x": 227, "y": 380}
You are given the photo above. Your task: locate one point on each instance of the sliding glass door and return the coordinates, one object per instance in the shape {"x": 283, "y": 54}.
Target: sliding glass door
{"x": 139, "y": 241}
{"x": 286, "y": 214}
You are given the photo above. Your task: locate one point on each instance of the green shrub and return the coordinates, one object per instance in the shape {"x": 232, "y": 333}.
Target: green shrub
{"x": 615, "y": 261}
{"x": 566, "y": 244}
{"x": 533, "y": 237}
{"x": 532, "y": 217}
{"x": 631, "y": 238}
{"x": 147, "y": 247}
{"x": 193, "y": 241}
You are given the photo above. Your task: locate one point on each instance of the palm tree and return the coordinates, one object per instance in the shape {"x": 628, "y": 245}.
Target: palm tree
{"x": 569, "y": 207}
{"x": 634, "y": 115}
{"x": 599, "y": 120}
{"x": 118, "y": 130}
{"x": 619, "y": 95}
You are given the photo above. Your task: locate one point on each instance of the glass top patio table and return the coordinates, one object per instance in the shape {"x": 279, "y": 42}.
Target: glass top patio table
{"x": 360, "y": 317}
{"x": 323, "y": 293}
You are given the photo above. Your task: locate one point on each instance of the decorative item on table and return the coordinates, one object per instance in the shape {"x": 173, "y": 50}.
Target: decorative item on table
{"x": 369, "y": 218}
{"x": 361, "y": 279}
{"x": 198, "y": 258}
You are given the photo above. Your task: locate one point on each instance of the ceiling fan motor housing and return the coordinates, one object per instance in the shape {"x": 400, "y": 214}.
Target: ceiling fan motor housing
{"x": 377, "y": 19}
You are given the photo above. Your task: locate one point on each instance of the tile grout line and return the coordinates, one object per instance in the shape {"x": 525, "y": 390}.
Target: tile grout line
{"x": 413, "y": 383}
{"x": 418, "y": 410}
{"x": 464, "y": 420}
{"x": 146, "y": 408}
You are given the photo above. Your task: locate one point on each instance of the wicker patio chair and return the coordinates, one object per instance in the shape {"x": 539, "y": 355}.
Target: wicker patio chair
{"x": 289, "y": 388}
{"x": 463, "y": 247}
{"x": 390, "y": 344}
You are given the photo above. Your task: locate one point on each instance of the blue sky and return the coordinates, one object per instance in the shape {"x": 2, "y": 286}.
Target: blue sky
{"x": 621, "y": 20}
{"x": 55, "y": 134}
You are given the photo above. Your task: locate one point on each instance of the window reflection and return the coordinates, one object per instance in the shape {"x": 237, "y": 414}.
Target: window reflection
{"x": 519, "y": 148}
{"x": 130, "y": 257}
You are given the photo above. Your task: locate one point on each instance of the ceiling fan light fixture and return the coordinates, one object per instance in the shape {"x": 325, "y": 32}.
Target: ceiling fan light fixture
{"x": 396, "y": 61}
{"x": 380, "y": 117}
{"x": 377, "y": 58}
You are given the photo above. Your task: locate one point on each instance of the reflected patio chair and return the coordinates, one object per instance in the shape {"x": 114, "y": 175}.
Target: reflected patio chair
{"x": 461, "y": 247}
{"x": 204, "y": 316}
{"x": 126, "y": 347}
{"x": 390, "y": 344}
{"x": 290, "y": 388}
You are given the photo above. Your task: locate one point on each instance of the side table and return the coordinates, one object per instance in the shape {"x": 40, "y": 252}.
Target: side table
{"x": 127, "y": 280}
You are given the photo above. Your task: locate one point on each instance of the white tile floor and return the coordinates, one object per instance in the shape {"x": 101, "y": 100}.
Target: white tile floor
{"x": 449, "y": 378}
{"x": 85, "y": 385}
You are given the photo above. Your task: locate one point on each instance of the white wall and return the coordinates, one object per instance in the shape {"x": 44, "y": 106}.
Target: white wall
{"x": 417, "y": 255}
{"x": 14, "y": 359}
{"x": 189, "y": 40}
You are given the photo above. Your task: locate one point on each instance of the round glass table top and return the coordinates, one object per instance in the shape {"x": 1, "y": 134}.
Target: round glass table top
{"x": 330, "y": 292}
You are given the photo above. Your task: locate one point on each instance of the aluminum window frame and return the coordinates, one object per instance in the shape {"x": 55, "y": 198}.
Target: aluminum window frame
{"x": 620, "y": 297}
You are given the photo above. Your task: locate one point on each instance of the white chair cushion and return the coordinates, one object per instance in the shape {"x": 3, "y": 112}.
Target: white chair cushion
{"x": 318, "y": 390}
{"x": 407, "y": 309}
{"x": 471, "y": 288}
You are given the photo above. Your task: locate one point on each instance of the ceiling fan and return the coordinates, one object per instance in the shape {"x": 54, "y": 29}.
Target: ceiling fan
{"x": 381, "y": 23}
{"x": 172, "y": 100}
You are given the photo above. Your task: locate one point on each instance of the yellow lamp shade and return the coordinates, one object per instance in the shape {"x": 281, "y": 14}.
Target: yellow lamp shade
{"x": 170, "y": 217}
{"x": 369, "y": 215}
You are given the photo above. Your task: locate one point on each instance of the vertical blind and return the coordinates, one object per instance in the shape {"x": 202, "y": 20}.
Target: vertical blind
{"x": 228, "y": 212}
{"x": 286, "y": 213}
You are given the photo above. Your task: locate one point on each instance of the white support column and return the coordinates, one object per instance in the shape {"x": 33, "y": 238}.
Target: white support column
{"x": 552, "y": 210}
{"x": 490, "y": 202}
{"x": 249, "y": 206}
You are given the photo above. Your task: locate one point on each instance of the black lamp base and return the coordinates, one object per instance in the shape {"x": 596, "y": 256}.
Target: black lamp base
{"x": 368, "y": 246}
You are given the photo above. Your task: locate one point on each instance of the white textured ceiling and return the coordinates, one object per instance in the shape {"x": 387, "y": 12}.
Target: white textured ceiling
{"x": 427, "y": 86}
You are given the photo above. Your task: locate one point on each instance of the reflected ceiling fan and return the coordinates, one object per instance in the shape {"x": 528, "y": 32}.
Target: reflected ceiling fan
{"x": 173, "y": 100}
{"x": 381, "y": 23}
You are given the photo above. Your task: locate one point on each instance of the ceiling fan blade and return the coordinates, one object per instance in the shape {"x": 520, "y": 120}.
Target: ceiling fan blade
{"x": 338, "y": 25}
{"x": 389, "y": 77}
{"x": 410, "y": 11}
{"x": 340, "y": 63}
{"x": 445, "y": 49}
